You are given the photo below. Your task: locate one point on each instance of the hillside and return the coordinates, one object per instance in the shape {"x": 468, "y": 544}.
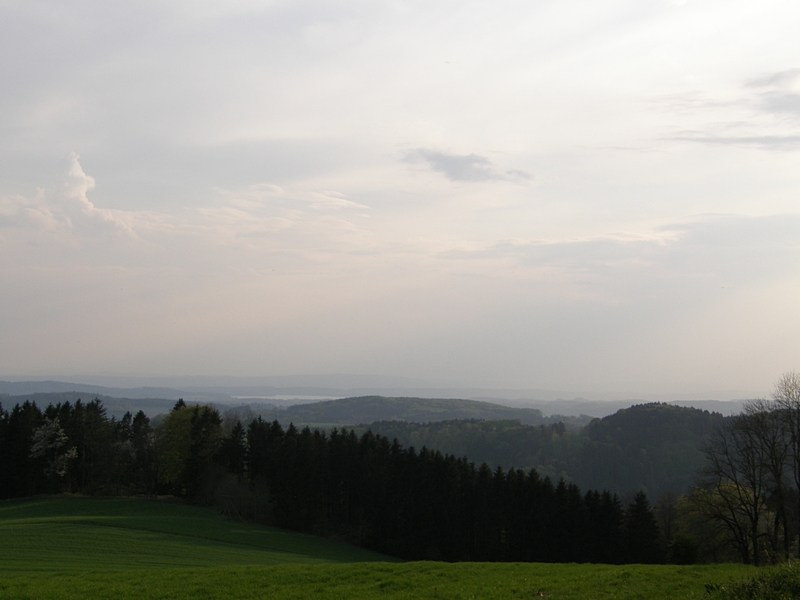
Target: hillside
{"x": 367, "y": 409}
{"x": 71, "y": 533}
{"x": 654, "y": 447}
{"x": 116, "y": 407}
{"x": 650, "y": 447}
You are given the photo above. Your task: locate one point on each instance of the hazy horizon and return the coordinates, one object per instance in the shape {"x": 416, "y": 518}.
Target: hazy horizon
{"x": 334, "y": 386}
{"x": 571, "y": 197}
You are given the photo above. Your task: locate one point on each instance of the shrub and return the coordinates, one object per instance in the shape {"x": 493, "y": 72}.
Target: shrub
{"x": 772, "y": 583}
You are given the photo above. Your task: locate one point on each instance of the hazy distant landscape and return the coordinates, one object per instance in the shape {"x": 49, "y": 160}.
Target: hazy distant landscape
{"x": 268, "y": 464}
{"x": 398, "y": 299}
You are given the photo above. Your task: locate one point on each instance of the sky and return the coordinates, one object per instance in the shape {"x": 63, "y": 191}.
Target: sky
{"x": 572, "y": 195}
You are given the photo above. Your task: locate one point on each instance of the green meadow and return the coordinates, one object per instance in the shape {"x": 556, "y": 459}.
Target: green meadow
{"x": 88, "y": 547}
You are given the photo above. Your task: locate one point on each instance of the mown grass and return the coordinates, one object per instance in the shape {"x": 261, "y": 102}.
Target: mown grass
{"x": 91, "y": 533}
{"x": 83, "y": 547}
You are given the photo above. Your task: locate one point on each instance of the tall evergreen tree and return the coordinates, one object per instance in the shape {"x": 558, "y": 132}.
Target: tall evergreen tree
{"x": 641, "y": 532}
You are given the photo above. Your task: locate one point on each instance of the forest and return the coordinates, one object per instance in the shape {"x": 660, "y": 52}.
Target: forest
{"x": 367, "y": 490}
{"x": 655, "y": 448}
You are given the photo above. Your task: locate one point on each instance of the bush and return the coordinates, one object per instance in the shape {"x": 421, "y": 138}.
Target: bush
{"x": 682, "y": 551}
{"x": 772, "y": 583}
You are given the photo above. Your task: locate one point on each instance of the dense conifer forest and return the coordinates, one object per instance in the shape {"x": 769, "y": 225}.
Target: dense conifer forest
{"x": 365, "y": 489}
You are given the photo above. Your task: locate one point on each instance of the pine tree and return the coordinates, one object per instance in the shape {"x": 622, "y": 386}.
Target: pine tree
{"x": 641, "y": 532}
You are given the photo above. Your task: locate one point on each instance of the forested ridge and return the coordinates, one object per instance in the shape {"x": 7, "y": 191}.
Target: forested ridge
{"x": 368, "y": 409}
{"x": 652, "y": 447}
{"x": 367, "y": 489}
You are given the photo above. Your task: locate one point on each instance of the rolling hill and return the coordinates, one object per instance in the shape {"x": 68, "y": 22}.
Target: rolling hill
{"x": 367, "y": 409}
{"x": 79, "y": 533}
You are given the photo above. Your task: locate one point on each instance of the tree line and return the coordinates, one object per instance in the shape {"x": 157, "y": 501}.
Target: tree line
{"x": 368, "y": 490}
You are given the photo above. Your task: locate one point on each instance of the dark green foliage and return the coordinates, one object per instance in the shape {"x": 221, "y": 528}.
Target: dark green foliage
{"x": 772, "y": 583}
{"x": 683, "y": 550}
{"x": 426, "y": 505}
{"x": 22, "y": 475}
{"x": 641, "y": 532}
{"x": 233, "y": 450}
{"x": 650, "y": 447}
{"x": 101, "y": 455}
{"x": 366, "y": 409}
{"x": 509, "y": 443}
{"x": 115, "y": 406}
{"x": 364, "y": 489}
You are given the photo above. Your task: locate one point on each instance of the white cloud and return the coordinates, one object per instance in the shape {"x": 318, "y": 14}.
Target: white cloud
{"x": 77, "y": 187}
{"x": 18, "y": 211}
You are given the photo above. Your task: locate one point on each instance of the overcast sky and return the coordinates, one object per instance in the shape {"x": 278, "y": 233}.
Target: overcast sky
{"x": 578, "y": 195}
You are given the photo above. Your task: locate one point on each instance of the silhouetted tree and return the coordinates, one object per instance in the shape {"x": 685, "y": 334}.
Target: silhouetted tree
{"x": 641, "y": 532}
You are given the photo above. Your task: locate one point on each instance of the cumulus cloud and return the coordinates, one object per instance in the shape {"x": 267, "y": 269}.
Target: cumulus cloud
{"x": 468, "y": 167}
{"x": 66, "y": 209}
{"x": 78, "y": 185}
{"x": 18, "y": 211}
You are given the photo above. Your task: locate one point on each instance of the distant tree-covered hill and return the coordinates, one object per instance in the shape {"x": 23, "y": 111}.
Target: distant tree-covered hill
{"x": 367, "y": 409}
{"x": 650, "y": 447}
{"x": 653, "y": 447}
{"x": 507, "y": 443}
{"x": 115, "y": 407}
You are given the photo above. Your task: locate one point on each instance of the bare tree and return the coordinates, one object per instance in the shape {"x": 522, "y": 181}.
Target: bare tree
{"x": 770, "y": 432}
{"x": 738, "y": 479}
{"x": 786, "y": 396}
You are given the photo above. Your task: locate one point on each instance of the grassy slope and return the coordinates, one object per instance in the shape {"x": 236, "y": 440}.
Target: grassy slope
{"x": 92, "y": 533}
{"x": 84, "y": 547}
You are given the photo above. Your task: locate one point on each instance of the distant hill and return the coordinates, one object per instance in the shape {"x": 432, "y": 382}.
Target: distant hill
{"x": 367, "y": 409}
{"x": 26, "y": 388}
{"x": 19, "y": 388}
{"x": 115, "y": 407}
{"x": 649, "y": 447}
{"x": 654, "y": 447}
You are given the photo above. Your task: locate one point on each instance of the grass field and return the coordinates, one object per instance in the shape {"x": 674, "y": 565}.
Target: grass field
{"x": 57, "y": 534}
{"x": 85, "y": 547}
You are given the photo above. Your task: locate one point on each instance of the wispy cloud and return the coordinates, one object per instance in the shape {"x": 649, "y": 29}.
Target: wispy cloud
{"x": 777, "y": 92}
{"x": 464, "y": 167}
{"x": 767, "y": 142}
{"x": 262, "y": 210}
{"x": 263, "y": 195}
{"x": 734, "y": 248}
{"x": 763, "y": 113}
{"x": 779, "y": 79}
